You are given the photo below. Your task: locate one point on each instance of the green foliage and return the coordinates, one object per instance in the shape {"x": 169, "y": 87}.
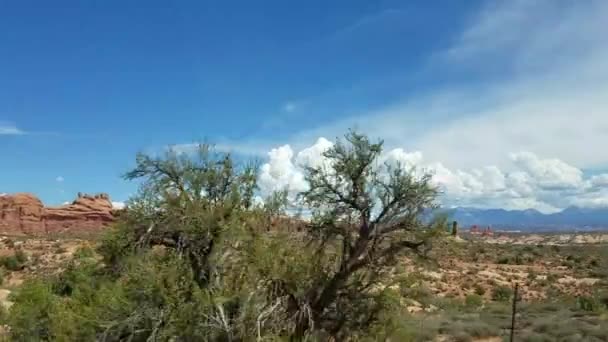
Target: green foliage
{"x": 31, "y": 317}
{"x": 502, "y": 293}
{"x": 14, "y": 262}
{"x": 473, "y": 300}
{"x": 84, "y": 252}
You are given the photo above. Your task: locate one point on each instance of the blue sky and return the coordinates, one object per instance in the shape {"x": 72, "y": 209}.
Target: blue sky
{"x": 85, "y": 85}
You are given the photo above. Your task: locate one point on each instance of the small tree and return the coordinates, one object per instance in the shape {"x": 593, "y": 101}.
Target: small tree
{"x": 185, "y": 204}
{"x": 365, "y": 213}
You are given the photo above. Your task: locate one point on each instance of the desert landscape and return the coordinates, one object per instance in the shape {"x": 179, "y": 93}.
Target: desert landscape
{"x": 462, "y": 290}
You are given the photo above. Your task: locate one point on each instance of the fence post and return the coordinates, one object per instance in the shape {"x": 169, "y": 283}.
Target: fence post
{"x": 515, "y": 295}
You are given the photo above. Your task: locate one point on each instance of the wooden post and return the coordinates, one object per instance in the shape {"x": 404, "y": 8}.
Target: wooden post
{"x": 515, "y": 295}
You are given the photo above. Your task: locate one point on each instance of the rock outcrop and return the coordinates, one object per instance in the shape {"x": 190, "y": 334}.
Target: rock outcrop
{"x": 25, "y": 214}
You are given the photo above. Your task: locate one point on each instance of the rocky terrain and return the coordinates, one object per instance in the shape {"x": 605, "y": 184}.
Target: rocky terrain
{"x": 548, "y": 239}
{"x": 458, "y": 290}
{"x": 25, "y": 214}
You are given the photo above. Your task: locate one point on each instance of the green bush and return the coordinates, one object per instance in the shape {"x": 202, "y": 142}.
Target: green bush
{"x": 479, "y": 290}
{"x": 84, "y": 252}
{"x": 503, "y": 260}
{"x": 591, "y": 303}
{"x": 473, "y": 300}
{"x": 14, "y": 262}
{"x": 502, "y": 293}
{"x": 31, "y": 314}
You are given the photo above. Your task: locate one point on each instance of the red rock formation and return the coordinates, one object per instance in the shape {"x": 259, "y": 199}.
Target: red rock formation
{"x": 25, "y": 214}
{"x": 21, "y": 213}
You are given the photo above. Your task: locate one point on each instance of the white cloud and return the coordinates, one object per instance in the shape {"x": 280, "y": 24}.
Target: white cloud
{"x": 280, "y": 173}
{"x": 118, "y": 205}
{"x": 59, "y": 179}
{"x": 544, "y": 184}
{"x": 313, "y": 156}
{"x": 284, "y": 171}
{"x": 548, "y": 173}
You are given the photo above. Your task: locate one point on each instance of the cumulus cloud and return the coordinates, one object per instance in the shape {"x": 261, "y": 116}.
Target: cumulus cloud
{"x": 548, "y": 173}
{"x": 284, "y": 170}
{"x": 545, "y": 184}
{"x": 280, "y": 173}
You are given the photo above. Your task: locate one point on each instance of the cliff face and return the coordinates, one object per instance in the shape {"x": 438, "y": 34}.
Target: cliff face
{"x": 25, "y": 214}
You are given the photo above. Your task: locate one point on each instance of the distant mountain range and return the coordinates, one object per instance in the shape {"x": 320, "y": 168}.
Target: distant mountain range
{"x": 572, "y": 218}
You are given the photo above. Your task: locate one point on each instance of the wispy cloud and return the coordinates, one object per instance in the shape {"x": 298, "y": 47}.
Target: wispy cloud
{"x": 290, "y": 107}
{"x": 365, "y": 21}
{"x": 59, "y": 179}
{"x": 7, "y": 128}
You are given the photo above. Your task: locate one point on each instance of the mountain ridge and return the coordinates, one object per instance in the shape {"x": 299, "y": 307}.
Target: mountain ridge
{"x": 530, "y": 219}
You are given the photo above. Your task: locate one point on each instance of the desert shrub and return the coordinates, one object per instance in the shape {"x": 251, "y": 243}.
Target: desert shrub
{"x": 20, "y": 256}
{"x": 84, "y": 252}
{"x": 14, "y": 262}
{"x": 479, "y": 290}
{"x": 31, "y": 314}
{"x": 592, "y": 303}
{"x": 552, "y": 277}
{"x": 473, "y": 300}
{"x": 503, "y": 260}
{"x": 502, "y": 293}
{"x": 418, "y": 292}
